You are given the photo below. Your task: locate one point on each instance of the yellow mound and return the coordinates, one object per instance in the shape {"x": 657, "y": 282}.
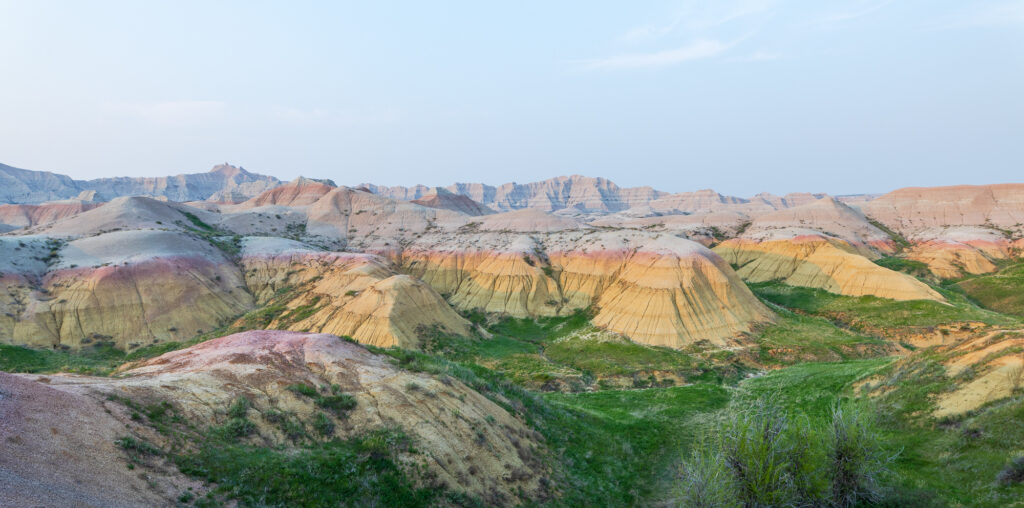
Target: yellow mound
{"x": 817, "y": 262}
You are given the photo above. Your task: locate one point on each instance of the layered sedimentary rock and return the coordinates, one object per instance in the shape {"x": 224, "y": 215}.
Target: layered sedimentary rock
{"x": 298, "y": 192}
{"x": 956, "y": 230}
{"x": 467, "y": 442}
{"x": 494, "y": 272}
{"x": 914, "y": 208}
{"x": 222, "y": 183}
{"x": 997, "y": 367}
{"x": 355, "y": 295}
{"x": 130, "y": 287}
{"x": 25, "y": 216}
{"x": 443, "y": 198}
{"x": 127, "y": 213}
{"x": 665, "y": 291}
{"x": 659, "y": 290}
{"x": 827, "y": 216}
{"x": 579, "y": 192}
{"x": 370, "y": 222}
{"x": 816, "y": 261}
{"x": 26, "y": 186}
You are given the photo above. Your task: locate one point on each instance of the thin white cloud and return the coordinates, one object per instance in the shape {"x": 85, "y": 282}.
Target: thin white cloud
{"x": 695, "y": 51}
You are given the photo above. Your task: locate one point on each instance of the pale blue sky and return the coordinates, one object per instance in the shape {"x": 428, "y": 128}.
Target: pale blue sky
{"x": 739, "y": 96}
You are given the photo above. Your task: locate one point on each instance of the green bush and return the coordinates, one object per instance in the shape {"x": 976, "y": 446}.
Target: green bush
{"x": 762, "y": 456}
{"x": 337, "y": 403}
{"x": 303, "y": 389}
{"x": 323, "y": 424}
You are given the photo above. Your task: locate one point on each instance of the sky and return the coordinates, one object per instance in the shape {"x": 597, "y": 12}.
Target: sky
{"x": 740, "y": 96}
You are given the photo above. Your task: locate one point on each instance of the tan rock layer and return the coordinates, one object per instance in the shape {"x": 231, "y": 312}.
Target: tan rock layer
{"x": 352, "y": 295}
{"x": 466, "y": 441}
{"x": 818, "y": 262}
{"x": 132, "y": 305}
{"x": 652, "y": 297}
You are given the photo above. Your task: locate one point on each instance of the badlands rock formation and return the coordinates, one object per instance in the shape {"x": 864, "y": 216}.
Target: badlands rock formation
{"x": 686, "y": 293}
{"x": 354, "y": 295}
{"x": 824, "y": 244}
{"x": 956, "y": 230}
{"x": 299, "y": 192}
{"x": 129, "y": 287}
{"x": 466, "y": 441}
{"x": 579, "y": 192}
{"x": 387, "y": 271}
{"x": 915, "y": 208}
{"x": 223, "y": 183}
{"x": 817, "y": 261}
{"x": 23, "y": 216}
{"x": 443, "y": 198}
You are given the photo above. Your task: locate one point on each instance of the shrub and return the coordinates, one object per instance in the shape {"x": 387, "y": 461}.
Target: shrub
{"x": 1012, "y": 473}
{"x": 856, "y": 458}
{"x": 705, "y": 481}
{"x": 236, "y": 427}
{"x": 137, "y": 445}
{"x": 763, "y": 457}
{"x": 303, "y": 389}
{"x": 338, "y": 403}
{"x": 239, "y": 408}
{"x": 323, "y": 424}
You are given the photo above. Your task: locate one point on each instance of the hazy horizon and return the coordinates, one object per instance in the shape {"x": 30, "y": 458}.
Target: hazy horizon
{"x": 741, "y": 97}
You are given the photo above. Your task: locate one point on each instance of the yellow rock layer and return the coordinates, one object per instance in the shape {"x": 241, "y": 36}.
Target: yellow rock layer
{"x": 951, "y": 261}
{"x": 676, "y": 301}
{"x": 670, "y": 292}
{"x": 999, "y": 366}
{"x": 498, "y": 463}
{"x": 133, "y": 305}
{"x": 499, "y": 282}
{"x": 817, "y": 262}
{"x": 353, "y": 295}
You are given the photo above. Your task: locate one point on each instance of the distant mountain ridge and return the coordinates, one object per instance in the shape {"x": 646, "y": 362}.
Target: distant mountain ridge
{"x": 579, "y": 192}
{"x": 222, "y": 183}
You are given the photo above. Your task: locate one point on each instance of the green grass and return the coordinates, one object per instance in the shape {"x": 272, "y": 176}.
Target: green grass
{"x": 565, "y": 353}
{"x": 98, "y": 359}
{"x": 1002, "y": 291}
{"x": 795, "y": 338}
{"x": 360, "y": 471}
{"x": 874, "y": 312}
{"x": 621, "y": 444}
{"x": 809, "y": 388}
{"x": 915, "y": 268}
{"x": 612, "y": 356}
{"x": 544, "y": 329}
{"x": 957, "y": 459}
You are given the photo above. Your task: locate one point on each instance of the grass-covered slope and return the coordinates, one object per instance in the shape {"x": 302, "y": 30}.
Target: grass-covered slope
{"x": 1002, "y": 291}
